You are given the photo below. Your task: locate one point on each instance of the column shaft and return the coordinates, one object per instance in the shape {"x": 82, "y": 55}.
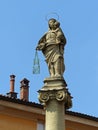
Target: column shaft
{"x": 55, "y": 115}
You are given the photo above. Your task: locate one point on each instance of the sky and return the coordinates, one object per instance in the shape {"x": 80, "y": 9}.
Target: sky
{"x": 23, "y": 23}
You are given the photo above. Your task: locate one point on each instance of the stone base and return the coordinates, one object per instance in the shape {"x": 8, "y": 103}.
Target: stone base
{"x": 52, "y": 83}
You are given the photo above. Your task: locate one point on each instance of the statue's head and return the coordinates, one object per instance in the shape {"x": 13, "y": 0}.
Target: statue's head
{"x": 53, "y": 23}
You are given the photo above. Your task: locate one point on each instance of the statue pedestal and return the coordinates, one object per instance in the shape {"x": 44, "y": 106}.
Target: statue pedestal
{"x": 55, "y": 98}
{"x": 54, "y": 83}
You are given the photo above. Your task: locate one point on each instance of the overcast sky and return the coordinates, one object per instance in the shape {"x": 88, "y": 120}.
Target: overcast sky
{"x": 22, "y": 24}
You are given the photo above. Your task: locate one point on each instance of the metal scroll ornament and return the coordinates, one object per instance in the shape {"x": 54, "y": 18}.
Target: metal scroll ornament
{"x": 36, "y": 65}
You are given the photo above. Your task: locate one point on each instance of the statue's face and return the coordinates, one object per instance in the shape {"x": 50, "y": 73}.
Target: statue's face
{"x": 52, "y": 24}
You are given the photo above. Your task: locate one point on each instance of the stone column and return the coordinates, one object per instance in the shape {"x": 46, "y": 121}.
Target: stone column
{"x": 55, "y": 98}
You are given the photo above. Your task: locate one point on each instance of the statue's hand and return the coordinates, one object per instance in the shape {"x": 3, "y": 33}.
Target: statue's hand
{"x": 37, "y": 48}
{"x": 40, "y": 46}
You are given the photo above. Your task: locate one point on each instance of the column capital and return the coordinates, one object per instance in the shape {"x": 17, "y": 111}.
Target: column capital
{"x": 55, "y": 90}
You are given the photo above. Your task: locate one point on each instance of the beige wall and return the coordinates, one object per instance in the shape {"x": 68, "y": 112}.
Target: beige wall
{"x": 78, "y": 126}
{"x": 8, "y": 122}
{"x": 15, "y": 116}
{"x": 13, "y": 123}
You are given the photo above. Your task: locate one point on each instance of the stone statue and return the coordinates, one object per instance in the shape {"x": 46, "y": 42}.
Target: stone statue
{"x": 52, "y": 45}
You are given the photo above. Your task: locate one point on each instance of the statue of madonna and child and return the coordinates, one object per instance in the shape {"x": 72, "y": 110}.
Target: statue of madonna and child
{"x": 52, "y": 46}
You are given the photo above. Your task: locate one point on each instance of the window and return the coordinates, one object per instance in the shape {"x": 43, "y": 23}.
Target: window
{"x": 40, "y": 126}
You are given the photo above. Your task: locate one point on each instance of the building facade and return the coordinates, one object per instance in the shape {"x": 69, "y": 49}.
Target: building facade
{"x": 16, "y": 114}
{"x": 21, "y": 114}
